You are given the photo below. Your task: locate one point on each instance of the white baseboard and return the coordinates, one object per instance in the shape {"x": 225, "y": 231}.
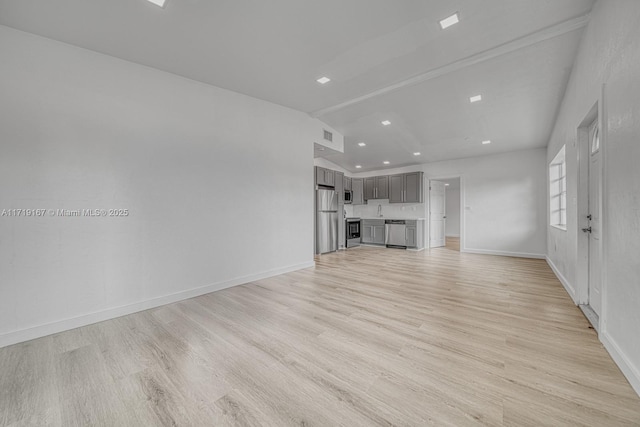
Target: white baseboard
{"x": 452, "y": 235}
{"x": 567, "y": 286}
{"x": 503, "y": 253}
{"x": 27, "y": 334}
{"x": 630, "y": 371}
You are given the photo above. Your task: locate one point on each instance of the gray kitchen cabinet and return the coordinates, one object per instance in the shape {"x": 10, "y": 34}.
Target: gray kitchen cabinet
{"x": 411, "y": 234}
{"x": 339, "y": 179}
{"x": 320, "y": 175}
{"x": 378, "y": 234}
{"x": 414, "y": 234}
{"x": 382, "y": 187}
{"x": 413, "y": 187}
{"x": 357, "y": 186}
{"x": 325, "y": 177}
{"x": 369, "y": 188}
{"x": 406, "y": 188}
{"x": 347, "y": 183}
{"x": 330, "y": 178}
{"x": 396, "y": 188}
{"x": 372, "y": 231}
{"x": 376, "y": 187}
{"x": 366, "y": 233}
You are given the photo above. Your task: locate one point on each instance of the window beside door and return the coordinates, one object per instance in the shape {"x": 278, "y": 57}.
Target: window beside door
{"x": 595, "y": 140}
{"x": 558, "y": 191}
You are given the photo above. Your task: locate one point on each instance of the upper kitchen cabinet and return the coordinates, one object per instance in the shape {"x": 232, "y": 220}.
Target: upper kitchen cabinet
{"x": 325, "y": 177}
{"x": 376, "y": 187}
{"x": 396, "y": 188}
{"x": 340, "y": 190}
{"x": 369, "y": 188}
{"x": 406, "y": 188}
{"x": 339, "y": 179}
{"x": 357, "y": 186}
{"x": 347, "y": 183}
{"x": 382, "y": 187}
{"x": 413, "y": 187}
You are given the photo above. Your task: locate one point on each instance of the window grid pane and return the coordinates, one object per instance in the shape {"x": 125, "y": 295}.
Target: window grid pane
{"x": 558, "y": 191}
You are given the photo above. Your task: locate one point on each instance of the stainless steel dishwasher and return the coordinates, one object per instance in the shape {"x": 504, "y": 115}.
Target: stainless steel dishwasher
{"x": 395, "y": 233}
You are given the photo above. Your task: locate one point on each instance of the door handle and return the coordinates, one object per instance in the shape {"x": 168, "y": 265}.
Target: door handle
{"x": 587, "y": 230}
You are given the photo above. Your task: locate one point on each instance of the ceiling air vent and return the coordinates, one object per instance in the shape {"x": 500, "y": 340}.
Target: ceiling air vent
{"x": 328, "y": 136}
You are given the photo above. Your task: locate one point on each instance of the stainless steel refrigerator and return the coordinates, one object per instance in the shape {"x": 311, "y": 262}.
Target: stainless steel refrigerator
{"x": 326, "y": 221}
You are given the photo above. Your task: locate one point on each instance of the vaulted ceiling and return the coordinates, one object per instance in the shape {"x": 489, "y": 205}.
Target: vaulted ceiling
{"x": 387, "y": 60}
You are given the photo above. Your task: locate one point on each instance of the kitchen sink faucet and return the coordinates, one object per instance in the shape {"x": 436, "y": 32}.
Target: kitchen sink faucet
{"x": 380, "y": 211}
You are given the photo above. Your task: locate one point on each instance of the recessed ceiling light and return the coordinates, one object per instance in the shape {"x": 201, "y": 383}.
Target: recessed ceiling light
{"x": 361, "y": 144}
{"x": 486, "y": 142}
{"x": 386, "y": 162}
{"x": 323, "y": 80}
{"x": 416, "y": 154}
{"x": 158, "y": 2}
{"x": 451, "y": 20}
{"x": 446, "y": 185}
{"x": 358, "y": 167}
{"x": 475, "y": 98}
{"x": 386, "y": 122}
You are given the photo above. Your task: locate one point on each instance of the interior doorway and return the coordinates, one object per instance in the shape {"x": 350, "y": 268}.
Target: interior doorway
{"x": 437, "y": 214}
{"x": 452, "y": 213}
{"x": 445, "y": 197}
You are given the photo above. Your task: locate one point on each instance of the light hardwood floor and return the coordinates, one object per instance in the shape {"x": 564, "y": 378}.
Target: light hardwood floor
{"x": 453, "y": 243}
{"x": 370, "y": 336}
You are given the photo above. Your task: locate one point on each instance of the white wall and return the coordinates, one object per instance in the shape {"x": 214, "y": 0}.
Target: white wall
{"x": 505, "y": 201}
{"x": 452, "y": 209}
{"x": 609, "y": 55}
{"x": 219, "y": 187}
{"x": 336, "y": 144}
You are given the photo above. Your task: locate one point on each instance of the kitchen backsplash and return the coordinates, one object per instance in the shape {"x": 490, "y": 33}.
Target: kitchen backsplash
{"x": 393, "y": 210}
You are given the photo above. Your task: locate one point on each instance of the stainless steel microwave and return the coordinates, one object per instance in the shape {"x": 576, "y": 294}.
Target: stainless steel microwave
{"x": 348, "y": 196}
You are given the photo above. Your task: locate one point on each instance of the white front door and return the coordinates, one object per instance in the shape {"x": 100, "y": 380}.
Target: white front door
{"x": 436, "y": 214}
{"x": 595, "y": 223}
